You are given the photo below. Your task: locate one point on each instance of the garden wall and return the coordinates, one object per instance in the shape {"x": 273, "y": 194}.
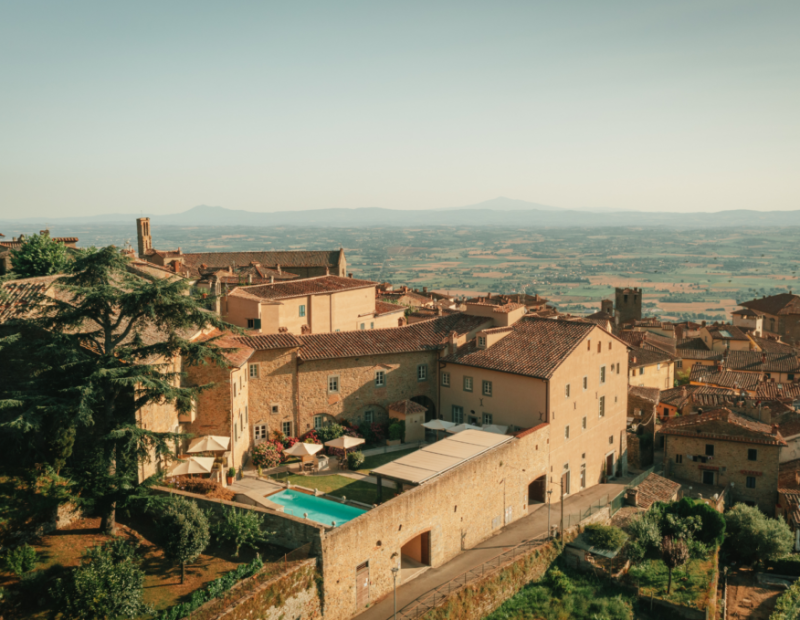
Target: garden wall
{"x": 290, "y": 532}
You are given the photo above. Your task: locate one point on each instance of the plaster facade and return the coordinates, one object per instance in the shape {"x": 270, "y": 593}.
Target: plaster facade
{"x": 660, "y": 375}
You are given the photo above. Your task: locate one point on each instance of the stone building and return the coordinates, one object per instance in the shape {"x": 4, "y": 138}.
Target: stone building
{"x": 310, "y": 306}
{"x": 780, "y": 315}
{"x": 568, "y": 374}
{"x": 720, "y": 337}
{"x": 649, "y": 367}
{"x": 627, "y": 304}
{"x": 722, "y": 448}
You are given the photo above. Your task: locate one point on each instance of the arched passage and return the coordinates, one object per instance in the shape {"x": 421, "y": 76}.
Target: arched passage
{"x": 426, "y": 402}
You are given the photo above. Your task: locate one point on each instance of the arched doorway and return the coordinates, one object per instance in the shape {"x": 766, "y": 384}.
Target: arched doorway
{"x": 426, "y": 402}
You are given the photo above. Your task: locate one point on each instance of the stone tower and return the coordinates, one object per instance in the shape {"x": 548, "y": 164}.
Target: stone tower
{"x": 628, "y": 304}
{"x": 143, "y": 235}
{"x": 607, "y": 306}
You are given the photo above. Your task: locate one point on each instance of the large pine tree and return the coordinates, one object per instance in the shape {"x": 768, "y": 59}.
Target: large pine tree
{"x": 103, "y": 350}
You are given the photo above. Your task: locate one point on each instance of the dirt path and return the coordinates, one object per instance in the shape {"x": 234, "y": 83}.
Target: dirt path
{"x": 748, "y": 599}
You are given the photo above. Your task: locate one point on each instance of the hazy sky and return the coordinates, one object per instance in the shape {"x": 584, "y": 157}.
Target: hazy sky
{"x": 160, "y": 106}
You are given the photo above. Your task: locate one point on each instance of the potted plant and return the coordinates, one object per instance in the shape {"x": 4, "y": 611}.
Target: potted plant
{"x": 231, "y": 475}
{"x": 397, "y": 430}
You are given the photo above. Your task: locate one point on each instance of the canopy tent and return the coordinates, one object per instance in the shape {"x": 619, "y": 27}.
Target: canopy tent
{"x": 209, "y": 443}
{"x": 463, "y": 427}
{"x": 496, "y": 428}
{"x": 193, "y": 465}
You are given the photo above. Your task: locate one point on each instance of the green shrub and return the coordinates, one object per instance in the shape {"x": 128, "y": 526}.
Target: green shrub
{"x": 330, "y": 431}
{"x": 645, "y": 531}
{"x": 787, "y": 606}
{"x": 754, "y": 537}
{"x": 786, "y": 565}
{"x": 605, "y": 536}
{"x": 20, "y": 560}
{"x": 397, "y": 430}
{"x": 240, "y": 528}
{"x": 558, "y": 582}
{"x": 355, "y": 459}
{"x": 184, "y": 532}
{"x": 712, "y": 531}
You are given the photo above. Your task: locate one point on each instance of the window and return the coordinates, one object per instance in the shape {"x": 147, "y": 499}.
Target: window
{"x": 254, "y": 323}
{"x": 566, "y": 432}
{"x": 302, "y": 310}
{"x": 566, "y": 391}
{"x": 609, "y": 345}
{"x": 487, "y": 388}
{"x": 445, "y": 379}
{"x": 583, "y": 476}
{"x": 709, "y": 449}
{"x": 602, "y": 375}
{"x": 752, "y": 454}
{"x": 234, "y": 389}
{"x": 790, "y": 376}
{"x": 372, "y": 325}
{"x": 679, "y": 458}
{"x": 380, "y": 378}
{"x": 602, "y": 406}
{"x": 333, "y": 383}
{"x": 363, "y": 326}
{"x": 658, "y": 366}
{"x": 599, "y": 347}
{"x": 275, "y": 409}
{"x": 751, "y": 482}
{"x": 235, "y": 433}
{"x": 588, "y": 345}
{"x": 583, "y": 423}
{"x": 641, "y": 370}
{"x": 487, "y": 418}
{"x": 586, "y": 383}
{"x": 246, "y": 419}
{"x": 467, "y": 384}
{"x": 254, "y": 371}
{"x": 481, "y": 341}
{"x": 422, "y": 372}
{"x": 458, "y": 414}
{"x": 286, "y": 428}
{"x": 318, "y": 421}
{"x": 369, "y": 416}
{"x": 610, "y": 440}
{"x": 260, "y": 431}
{"x": 678, "y": 363}
{"x": 708, "y": 477}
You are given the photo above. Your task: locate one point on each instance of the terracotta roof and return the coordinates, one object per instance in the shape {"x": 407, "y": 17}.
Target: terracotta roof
{"x": 726, "y": 332}
{"x": 768, "y": 390}
{"x": 535, "y": 348}
{"x": 789, "y": 424}
{"x": 757, "y": 361}
{"x": 770, "y": 345}
{"x": 423, "y": 336}
{"x": 235, "y": 351}
{"x": 648, "y": 340}
{"x": 320, "y": 285}
{"x": 641, "y": 356}
{"x": 19, "y": 297}
{"x": 287, "y": 260}
{"x": 714, "y": 397}
{"x": 692, "y": 343}
{"x": 407, "y": 407}
{"x": 724, "y": 378}
{"x": 654, "y": 489}
{"x": 509, "y": 307}
{"x": 677, "y": 397}
{"x": 745, "y": 312}
{"x": 265, "y": 342}
{"x": 16, "y": 245}
{"x": 651, "y": 394}
{"x": 783, "y": 304}
{"x": 749, "y": 431}
{"x": 600, "y": 314}
{"x": 789, "y": 474}
{"x": 698, "y": 354}
{"x": 382, "y": 307}
{"x": 407, "y": 298}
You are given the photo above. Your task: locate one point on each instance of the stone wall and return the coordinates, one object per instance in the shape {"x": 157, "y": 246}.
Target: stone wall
{"x": 275, "y": 386}
{"x": 640, "y": 451}
{"x": 160, "y": 417}
{"x": 290, "y": 532}
{"x": 458, "y": 509}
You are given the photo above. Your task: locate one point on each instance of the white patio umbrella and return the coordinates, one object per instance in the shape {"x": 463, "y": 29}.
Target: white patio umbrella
{"x": 439, "y": 425}
{"x": 495, "y": 428}
{"x": 193, "y": 465}
{"x": 463, "y": 427}
{"x": 209, "y": 443}
{"x": 345, "y": 442}
{"x": 303, "y": 449}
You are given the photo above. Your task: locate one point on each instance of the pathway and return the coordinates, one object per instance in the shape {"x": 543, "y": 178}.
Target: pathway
{"x": 532, "y": 526}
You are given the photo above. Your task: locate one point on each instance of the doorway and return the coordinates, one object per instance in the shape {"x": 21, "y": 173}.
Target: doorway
{"x": 610, "y": 465}
{"x": 537, "y": 490}
{"x": 426, "y": 402}
{"x": 415, "y": 556}
{"x": 708, "y": 477}
{"x": 362, "y": 585}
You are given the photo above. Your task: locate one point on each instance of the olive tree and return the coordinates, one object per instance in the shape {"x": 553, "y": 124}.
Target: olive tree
{"x": 184, "y": 531}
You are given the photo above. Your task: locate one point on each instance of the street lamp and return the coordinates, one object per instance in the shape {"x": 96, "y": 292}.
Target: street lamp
{"x": 395, "y": 570}
{"x": 549, "y": 493}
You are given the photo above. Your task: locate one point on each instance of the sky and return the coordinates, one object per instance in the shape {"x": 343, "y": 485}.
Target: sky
{"x": 156, "y": 107}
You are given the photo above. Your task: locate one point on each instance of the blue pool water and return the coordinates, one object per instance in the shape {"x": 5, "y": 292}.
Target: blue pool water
{"x": 317, "y": 508}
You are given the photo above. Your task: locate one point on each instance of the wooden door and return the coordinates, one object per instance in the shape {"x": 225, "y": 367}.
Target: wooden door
{"x": 362, "y": 585}
{"x": 425, "y": 543}
{"x": 610, "y": 465}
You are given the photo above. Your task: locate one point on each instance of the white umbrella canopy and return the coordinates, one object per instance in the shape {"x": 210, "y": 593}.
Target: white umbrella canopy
{"x": 439, "y": 425}
{"x": 210, "y": 443}
{"x": 496, "y": 428}
{"x": 303, "y": 449}
{"x": 193, "y": 465}
{"x": 463, "y": 427}
{"x": 345, "y": 442}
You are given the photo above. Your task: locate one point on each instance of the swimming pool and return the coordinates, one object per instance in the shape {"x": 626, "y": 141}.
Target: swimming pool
{"x": 316, "y": 508}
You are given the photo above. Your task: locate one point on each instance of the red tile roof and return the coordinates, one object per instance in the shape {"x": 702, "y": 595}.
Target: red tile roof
{"x": 407, "y": 407}
{"x": 535, "y": 348}
{"x": 382, "y": 307}
{"x": 754, "y": 432}
{"x": 725, "y": 332}
{"x": 509, "y": 307}
{"x": 19, "y": 297}
{"x": 651, "y": 394}
{"x": 654, "y": 489}
{"x": 724, "y": 378}
{"x": 423, "y": 336}
{"x": 265, "y": 342}
{"x": 782, "y": 304}
{"x": 768, "y": 390}
{"x": 235, "y": 351}
{"x": 320, "y": 285}
{"x": 645, "y": 356}
{"x": 758, "y": 361}
{"x": 287, "y": 260}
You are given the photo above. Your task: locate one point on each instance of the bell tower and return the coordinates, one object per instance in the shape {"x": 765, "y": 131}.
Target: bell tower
{"x": 143, "y": 235}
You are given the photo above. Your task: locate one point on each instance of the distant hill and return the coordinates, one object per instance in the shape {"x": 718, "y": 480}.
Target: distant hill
{"x": 503, "y": 212}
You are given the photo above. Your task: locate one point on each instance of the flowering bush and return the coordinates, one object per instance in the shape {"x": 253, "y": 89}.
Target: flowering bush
{"x": 310, "y": 437}
{"x": 288, "y": 442}
{"x": 266, "y": 455}
{"x": 379, "y": 430}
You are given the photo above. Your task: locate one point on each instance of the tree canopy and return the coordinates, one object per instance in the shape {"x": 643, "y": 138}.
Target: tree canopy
{"x": 184, "y": 531}
{"x": 40, "y": 255}
{"x": 109, "y": 344}
{"x": 754, "y": 537}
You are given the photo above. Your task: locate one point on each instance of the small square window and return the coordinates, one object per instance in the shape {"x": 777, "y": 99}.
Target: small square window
{"x": 302, "y": 309}
{"x": 369, "y": 416}
{"x": 380, "y": 378}
{"x": 286, "y": 428}
{"x": 566, "y": 391}
{"x": 319, "y": 421}
{"x": 487, "y": 388}
{"x": 751, "y": 482}
{"x": 752, "y": 454}
{"x": 260, "y": 431}
{"x": 333, "y": 383}
{"x": 709, "y": 449}
{"x": 467, "y": 384}
{"x": 487, "y": 418}
{"x": 275, "y": 409}
{"x": 445, "y": 379}
{"x": 481, "y": 341}
{"x": 363, "y": 326}
{"x": 708, "y": 477}
{"x": 254, "y": 323}
{"x": 422, "y": 372}
{"x": 254, "y": 371}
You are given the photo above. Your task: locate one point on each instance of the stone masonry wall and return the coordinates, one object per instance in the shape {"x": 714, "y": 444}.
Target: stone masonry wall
{"x": 459, "y": 508}
{"x": 161, "y": 417}
{"x": 275, "y": 386}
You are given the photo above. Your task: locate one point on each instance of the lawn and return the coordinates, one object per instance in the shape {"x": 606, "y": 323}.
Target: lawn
{"x": 376, "y": 460}
{"x": 689, "y": 583}
{"x": 340, "y": 486}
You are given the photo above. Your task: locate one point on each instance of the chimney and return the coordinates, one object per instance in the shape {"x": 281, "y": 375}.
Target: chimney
{"x": 327, "y": 271}
{"x": 453, "y": 341}
{"x": 438, "y": 311}
{"x": 763, "y": 357}
{"x": 683, "y": 392}
{"x": 424, "y": 290}
{"x": 249, "y": 278}
{"x": 774, "y": 429}
{"x": 349, "y": 275}
{"x": 272, "y": 279}
{"x": 702, "y": 323}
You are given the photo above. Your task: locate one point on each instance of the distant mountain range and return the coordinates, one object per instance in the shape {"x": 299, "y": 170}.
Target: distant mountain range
{"x": 497, "y": 212}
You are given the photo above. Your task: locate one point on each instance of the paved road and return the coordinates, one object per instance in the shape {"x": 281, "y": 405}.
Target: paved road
{"x": 532, "y": 526}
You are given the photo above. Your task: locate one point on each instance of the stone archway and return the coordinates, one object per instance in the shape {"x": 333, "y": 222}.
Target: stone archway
{"x": 426, "y": 402}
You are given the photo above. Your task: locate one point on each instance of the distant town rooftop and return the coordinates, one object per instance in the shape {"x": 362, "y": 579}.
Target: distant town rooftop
{"x": 320, "y": 285}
